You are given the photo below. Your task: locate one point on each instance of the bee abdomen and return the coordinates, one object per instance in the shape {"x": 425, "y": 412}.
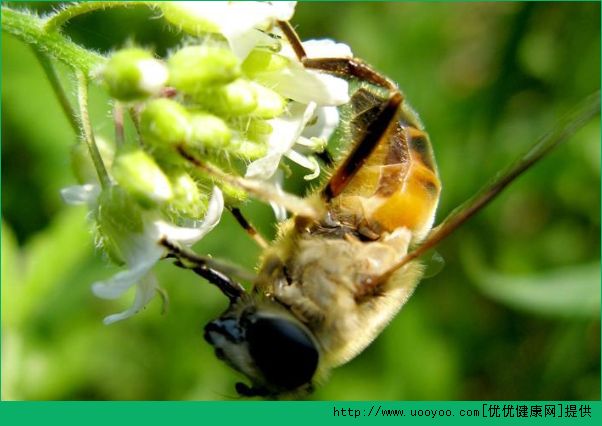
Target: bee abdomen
{"x": 408, "y": 190}
{"x": 399, "y": 185}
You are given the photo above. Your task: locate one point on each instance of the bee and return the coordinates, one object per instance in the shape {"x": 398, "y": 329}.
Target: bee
{"x": 348, "y": 259}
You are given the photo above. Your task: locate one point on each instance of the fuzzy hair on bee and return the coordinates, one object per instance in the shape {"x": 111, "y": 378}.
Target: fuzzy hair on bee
{"x": 321, "y": 296}
{"x": 348, "y": 259}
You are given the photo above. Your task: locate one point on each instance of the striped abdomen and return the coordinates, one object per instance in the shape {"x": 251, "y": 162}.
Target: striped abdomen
{"x": 398, "y": 186}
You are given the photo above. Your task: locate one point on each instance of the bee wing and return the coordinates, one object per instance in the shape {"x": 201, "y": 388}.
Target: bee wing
{"x": 566, "y": 128}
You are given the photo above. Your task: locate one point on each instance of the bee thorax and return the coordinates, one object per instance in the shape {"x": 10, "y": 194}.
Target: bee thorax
{"x": 330, "y": 285}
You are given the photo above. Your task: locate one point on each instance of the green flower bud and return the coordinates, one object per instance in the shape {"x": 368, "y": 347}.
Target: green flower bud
{"x": 118, "y": 215}
{"x": 183, "y": 18}
{"x": 164, "y": 121}
{"x": 269, "y": 103}
{"x": 208, "y": 131}
{"x": 133, "y": 74}
{"x": 137, "y": 172}
{"x": 236, "y": 98}
{"x": 260, "y": 61}
{"x": 81, "y": 163}
{"x": 188, "y": 199}
{"x": 193, "y": 69}
{"x": 258, "y": 130}
{"x": 250, "y": 150}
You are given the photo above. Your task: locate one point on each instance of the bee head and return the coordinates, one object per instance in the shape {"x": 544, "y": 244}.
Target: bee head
{"x": 267, "y": 344}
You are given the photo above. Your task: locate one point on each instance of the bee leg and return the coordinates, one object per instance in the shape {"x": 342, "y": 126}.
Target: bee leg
{"x": 346, "y": 67}
{"x": 302, "y": 306}
{"x": 384, "y": 119}
{"x": 384, "y": 122}
{"x": 206, "y": 268}
{"x": 250, "y": 229}
{"x": 263, "y": 191}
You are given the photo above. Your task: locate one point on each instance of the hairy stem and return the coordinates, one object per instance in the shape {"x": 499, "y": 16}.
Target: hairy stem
{"x": 30, "y": 29}
{"x": 60, "y": 18}
{"x": 86, "y": 129}
{"x": 55, "y": 82}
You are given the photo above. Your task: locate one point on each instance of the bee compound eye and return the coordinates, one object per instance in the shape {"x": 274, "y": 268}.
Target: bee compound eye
{"x": 228, "y": 328}
{"x": 283, "y": 351}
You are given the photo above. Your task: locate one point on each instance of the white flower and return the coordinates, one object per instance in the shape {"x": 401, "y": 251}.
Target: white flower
{"x": 243, "y": 24}
{"x": 320, "y": 127}
{"x": 81, "y": 194}
{"x": 311, "y": 119}
{"x": 293, "y": 132}
{"x": 141, "y": 250}
{"x": 279, "y": 210}
{"x": 315, "y": 94}
{"x": 323, "y": 48}
{"x": 305, "y": 85}
{"x": 285, "y": 132}
{"x": 238, "y": 21}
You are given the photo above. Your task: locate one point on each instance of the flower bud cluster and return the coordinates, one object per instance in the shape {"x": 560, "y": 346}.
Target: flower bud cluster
{"x": 234, "y": 95}
{"x": 202, "y": 98}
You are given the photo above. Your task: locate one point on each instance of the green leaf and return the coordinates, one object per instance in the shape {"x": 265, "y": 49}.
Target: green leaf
{"x": 572, "y": 291}
{"x": 45, "y": 261}
{"x": 10, "y": 266}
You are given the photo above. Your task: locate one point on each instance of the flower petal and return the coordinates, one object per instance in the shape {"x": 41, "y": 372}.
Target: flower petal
{"x": 189, "y": 236}
{"x": 323, "y": 48}
{"x": 145, "y": 291}
{"x": 326, "y": 122}
{"x": 326, "y": 48}
{"x": 279, "y": 209}
{"x": 236, "y": 20}
{"x": 142, "y": 249}
{"x": 244, "y": 15}
{"x": 242, "y": 43}
{"x": 80, "y": 194}
{"x": 285, "y": 131}
{"x": 305, "y": 161}
{"x": 303, "y": 85}
{"x": 283, "y": 10}
{"x": 264, "y": 167}
{"x": 119, "y": 283}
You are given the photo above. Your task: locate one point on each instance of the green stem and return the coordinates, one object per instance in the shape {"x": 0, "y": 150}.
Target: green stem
{"x": 55, "y": 82}
{"x": 135, "y": 117}
{"x": 86, "y": 129}
{"x": 30, "y": 29}
{"x": 56, "y": 21}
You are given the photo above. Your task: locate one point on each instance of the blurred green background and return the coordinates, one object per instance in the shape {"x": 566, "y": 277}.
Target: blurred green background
{"x": 515, "y": 312}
